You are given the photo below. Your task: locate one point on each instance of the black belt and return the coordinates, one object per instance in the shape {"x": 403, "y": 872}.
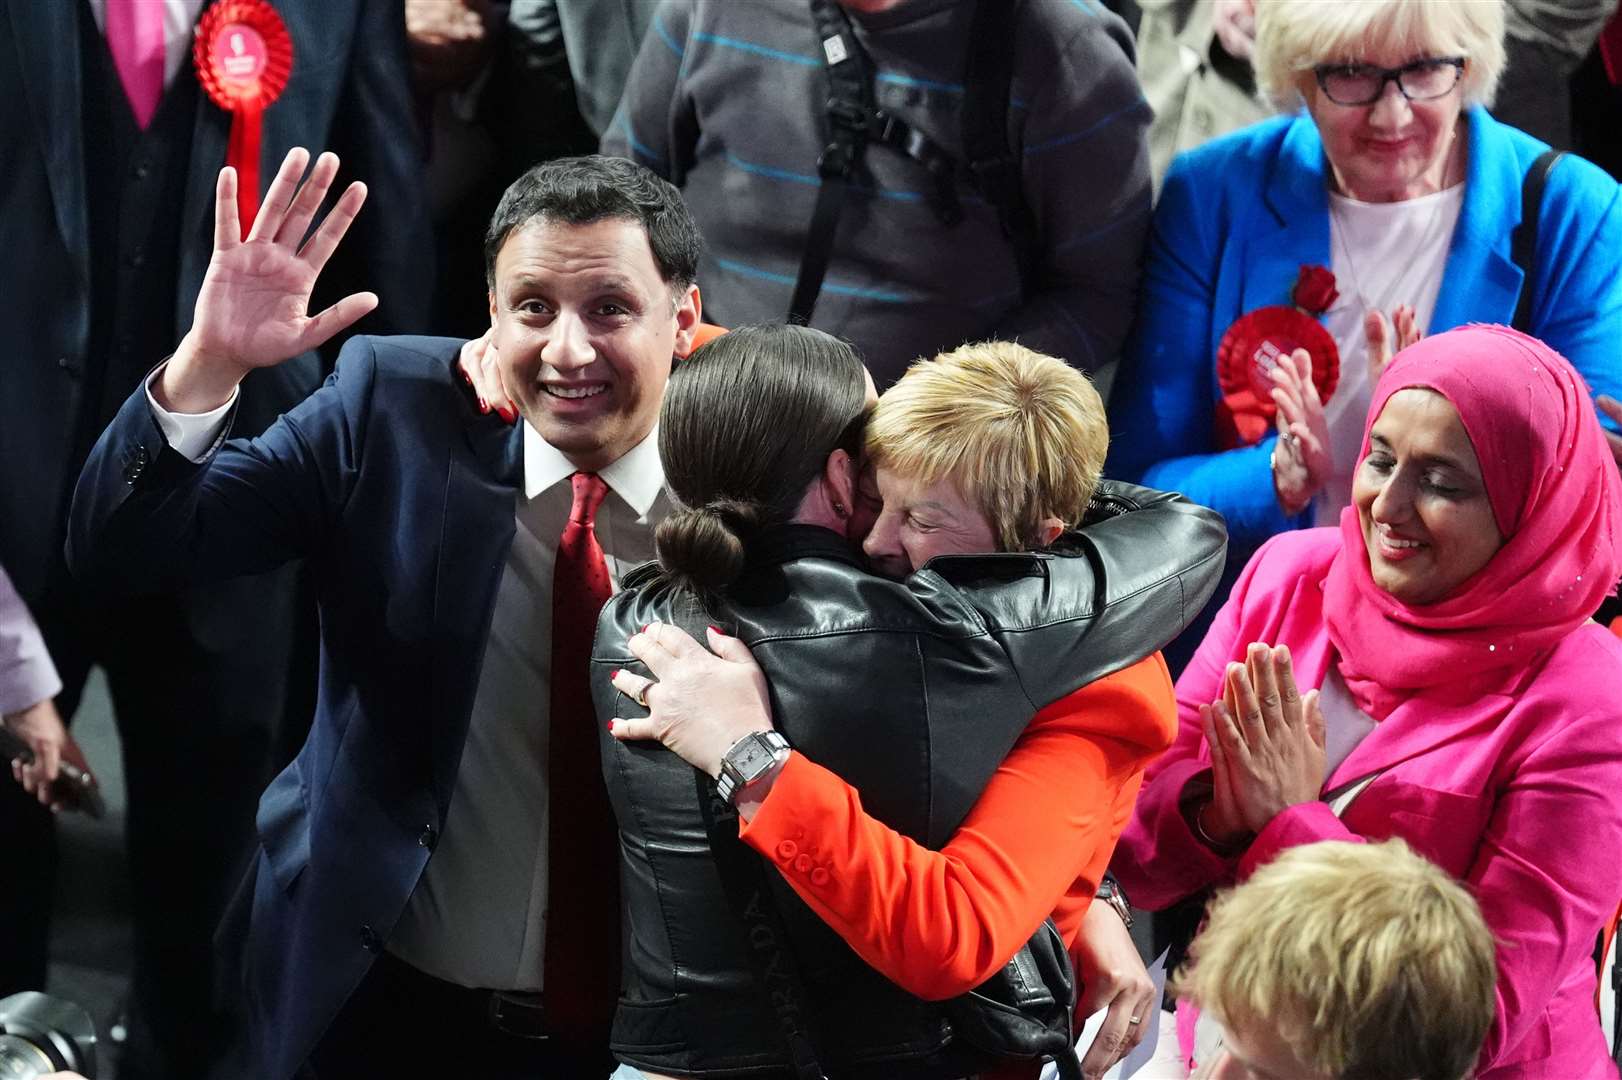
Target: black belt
{"x": 518, "y": 1013}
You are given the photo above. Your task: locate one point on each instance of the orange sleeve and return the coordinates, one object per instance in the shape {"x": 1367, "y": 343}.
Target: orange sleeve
{"x": 939, "y": 923}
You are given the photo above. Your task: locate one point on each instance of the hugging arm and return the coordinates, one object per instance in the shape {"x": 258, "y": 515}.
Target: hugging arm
{"x": 937, "y": 922}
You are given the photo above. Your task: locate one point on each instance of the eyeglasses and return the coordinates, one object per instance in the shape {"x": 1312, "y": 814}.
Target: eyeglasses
{"x": 1364, "y": 84}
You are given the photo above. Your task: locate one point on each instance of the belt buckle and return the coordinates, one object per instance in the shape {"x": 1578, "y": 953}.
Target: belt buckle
{"x": 519, "y": 1014}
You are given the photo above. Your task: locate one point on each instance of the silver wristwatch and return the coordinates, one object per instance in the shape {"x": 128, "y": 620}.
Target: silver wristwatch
{"x": 1109, "y": 891}
{"x": 750, "y": 758}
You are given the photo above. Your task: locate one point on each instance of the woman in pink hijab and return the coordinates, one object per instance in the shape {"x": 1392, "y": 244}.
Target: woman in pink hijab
{"x": 1456, "y": 693}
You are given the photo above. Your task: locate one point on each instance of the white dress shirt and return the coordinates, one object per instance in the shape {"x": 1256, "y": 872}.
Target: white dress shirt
{"x": 478, "y": 915}
{"x": 179, "y": 17}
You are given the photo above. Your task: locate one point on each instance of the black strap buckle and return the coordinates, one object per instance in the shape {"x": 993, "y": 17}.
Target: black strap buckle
{"x": 849, "y": 115}
{"x": 836, "y": 160}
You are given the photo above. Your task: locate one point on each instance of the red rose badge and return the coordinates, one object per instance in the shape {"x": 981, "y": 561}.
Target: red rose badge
{"x": 1252, "y": 346}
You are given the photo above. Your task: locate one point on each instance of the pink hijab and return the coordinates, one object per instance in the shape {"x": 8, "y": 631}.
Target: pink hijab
{"x": 1555, "y": 493}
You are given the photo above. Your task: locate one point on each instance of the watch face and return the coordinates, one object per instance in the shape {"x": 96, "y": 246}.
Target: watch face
{"x": 751, "y": 758}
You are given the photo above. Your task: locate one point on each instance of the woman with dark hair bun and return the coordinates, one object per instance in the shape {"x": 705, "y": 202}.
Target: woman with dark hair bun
{"x": 804, "y": 392}
{"x": 911, "y": 692}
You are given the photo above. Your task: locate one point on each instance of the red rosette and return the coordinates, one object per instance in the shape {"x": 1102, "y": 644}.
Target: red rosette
{"x": 1249, "y": 351}
{"x": 243, "y": 55}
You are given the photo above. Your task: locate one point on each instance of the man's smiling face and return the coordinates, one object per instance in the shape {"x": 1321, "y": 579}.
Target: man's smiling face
{"x": 585, "y": 328}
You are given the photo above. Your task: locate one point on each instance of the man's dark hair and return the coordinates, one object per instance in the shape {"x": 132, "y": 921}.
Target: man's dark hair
{"x": 748, "y": 423}
{"x": 583, "y": 190}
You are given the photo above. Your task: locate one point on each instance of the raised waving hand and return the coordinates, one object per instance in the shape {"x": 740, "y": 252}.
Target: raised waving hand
{"x": 253, "y": 309}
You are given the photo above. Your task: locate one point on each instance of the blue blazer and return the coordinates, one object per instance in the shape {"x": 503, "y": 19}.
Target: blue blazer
{"x": 399, "y": 495}
{"x": 1238, "y": 218}
{"x": 349, "y": 91}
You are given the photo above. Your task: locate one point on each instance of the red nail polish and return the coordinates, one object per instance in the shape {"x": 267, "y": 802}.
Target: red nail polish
{"x": 609, "y": 725}
{"x": 612, "y": 675}
{"x": 644, "y": 629}
{"x": 462, "y": 371}
{"x": 508, "y": 414}
{"x": 715, "y": 630}
{"x": 484, "y": 406}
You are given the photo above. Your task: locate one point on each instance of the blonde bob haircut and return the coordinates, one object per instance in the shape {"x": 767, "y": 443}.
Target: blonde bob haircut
{"x": 1366, "y": 959}
{"x": 1295, "y": 36}
{"x": 1022, "y": 435}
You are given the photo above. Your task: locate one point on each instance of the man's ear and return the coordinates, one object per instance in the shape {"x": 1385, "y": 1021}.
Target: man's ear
{"x": 491, "y": 293}
{"x": 689, "y": 313}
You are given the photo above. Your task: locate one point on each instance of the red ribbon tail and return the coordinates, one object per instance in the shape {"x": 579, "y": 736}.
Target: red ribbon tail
{"x": 242, "y": 154}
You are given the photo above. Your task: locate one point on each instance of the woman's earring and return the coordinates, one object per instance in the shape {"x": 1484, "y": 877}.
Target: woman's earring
{"x": 839, "y": 510}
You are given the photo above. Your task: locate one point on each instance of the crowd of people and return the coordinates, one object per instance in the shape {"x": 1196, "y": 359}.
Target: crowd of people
{"x": 908, "y": 488}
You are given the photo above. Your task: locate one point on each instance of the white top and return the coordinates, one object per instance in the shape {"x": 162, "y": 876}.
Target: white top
{"x": 1382, "y": 255}
{"x": 478, "y": 915}
{"x": 179, "y": 17}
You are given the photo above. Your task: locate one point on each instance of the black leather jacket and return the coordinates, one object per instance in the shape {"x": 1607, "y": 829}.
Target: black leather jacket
{"x": 913, "y": 691}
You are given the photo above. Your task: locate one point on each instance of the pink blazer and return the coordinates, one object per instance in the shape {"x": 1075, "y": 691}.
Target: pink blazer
{"x": 1519, "y": 795}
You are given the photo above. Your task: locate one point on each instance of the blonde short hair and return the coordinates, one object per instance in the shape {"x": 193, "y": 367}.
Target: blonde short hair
{"x": 1294, "y": 36}
{"x": 1368, "y": 961}
{"x": 1022, "y": 435}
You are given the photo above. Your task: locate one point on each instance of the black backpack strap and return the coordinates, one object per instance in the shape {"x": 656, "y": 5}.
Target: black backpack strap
{"x": 854, "y": 120}
{"x": 992, "y": 163}
{"x": 850, "y": 113}
{"x": 1524, "y": 242}
{"x": 777, "y": 971}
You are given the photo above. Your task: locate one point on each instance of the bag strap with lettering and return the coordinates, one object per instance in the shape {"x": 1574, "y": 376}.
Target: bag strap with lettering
{"x": 854, "y": 120}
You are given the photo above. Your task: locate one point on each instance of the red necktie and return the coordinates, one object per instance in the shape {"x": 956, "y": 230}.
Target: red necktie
{"x": 581, "y": 980}
{"x": 135, "y": 38}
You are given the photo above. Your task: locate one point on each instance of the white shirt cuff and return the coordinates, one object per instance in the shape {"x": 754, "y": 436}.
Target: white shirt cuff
{"x": 193, "y": 436}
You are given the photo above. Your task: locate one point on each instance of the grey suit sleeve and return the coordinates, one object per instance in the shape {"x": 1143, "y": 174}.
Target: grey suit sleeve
{"x": 27, "y": 675}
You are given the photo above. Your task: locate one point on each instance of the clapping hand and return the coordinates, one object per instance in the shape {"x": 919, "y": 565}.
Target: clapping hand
{"x": 253, "y": 309}
{"x": 1385, "y": 340}
{"x": 1301, "y": 461}
{"x": 1267, "y": 745}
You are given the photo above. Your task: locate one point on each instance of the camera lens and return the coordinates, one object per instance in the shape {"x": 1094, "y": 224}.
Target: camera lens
{"x": 40, "y": 1035}
{"x": 22, "y": 1060}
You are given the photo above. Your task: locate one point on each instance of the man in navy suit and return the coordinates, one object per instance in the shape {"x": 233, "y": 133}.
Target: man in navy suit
{"x": 106, "y": 199}
{"x": 400, "y": 918}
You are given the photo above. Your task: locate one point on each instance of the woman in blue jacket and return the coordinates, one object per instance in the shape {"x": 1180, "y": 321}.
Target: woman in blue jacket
{"x": 1395, "y": 178}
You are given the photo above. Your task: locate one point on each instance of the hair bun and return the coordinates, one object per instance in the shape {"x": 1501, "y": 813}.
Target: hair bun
{"x": 702, "y": 547}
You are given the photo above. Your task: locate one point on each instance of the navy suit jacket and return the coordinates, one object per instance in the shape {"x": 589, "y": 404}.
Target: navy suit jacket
{"x": 349, "y": 91}
{"x": 400, "y": 496}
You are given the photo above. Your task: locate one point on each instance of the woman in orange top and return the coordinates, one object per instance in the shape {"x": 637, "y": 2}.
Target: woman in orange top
{"x": 967, "y": 459}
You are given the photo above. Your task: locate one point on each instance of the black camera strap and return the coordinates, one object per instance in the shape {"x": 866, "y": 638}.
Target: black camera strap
{"x": 854, "y": 120}
{"x": 777, "y": 972}
{"x": 850, "y": 113}
{"x": 1523, "y": 242}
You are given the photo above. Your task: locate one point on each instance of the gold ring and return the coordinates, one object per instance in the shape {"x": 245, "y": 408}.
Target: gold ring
{"x": 641, "y": 696}
{"x": 1135, "y": 1020}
